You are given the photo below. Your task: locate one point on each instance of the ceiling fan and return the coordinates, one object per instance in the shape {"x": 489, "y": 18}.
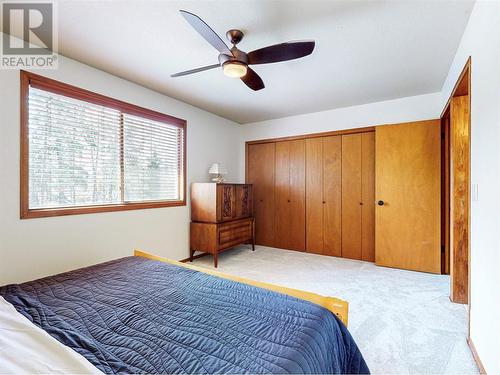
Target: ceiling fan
{"x": 234, "y": 62}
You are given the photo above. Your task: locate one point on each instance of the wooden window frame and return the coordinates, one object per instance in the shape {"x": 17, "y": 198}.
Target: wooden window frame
{"x": 40, "y": 82}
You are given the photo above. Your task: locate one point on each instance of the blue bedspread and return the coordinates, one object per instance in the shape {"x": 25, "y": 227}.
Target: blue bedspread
{"x": 136, "y": 315}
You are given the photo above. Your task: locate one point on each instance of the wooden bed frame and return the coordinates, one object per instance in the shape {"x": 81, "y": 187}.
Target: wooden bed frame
{"x": 335, "y": 305}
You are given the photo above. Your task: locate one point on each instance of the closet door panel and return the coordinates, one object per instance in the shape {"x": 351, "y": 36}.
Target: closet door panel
{"x": 261, "y": 173}
{"x": 351, "y": 196}
{"x": 282, "y": 195}
{"x": 296, "y": 218}
{"x": 314, "y": 195}
{"x": 368, "y": 196}
{"x": 332, "y": 195}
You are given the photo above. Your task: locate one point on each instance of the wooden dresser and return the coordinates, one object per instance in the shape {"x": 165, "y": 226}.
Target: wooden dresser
{"x": 221, "y": 217}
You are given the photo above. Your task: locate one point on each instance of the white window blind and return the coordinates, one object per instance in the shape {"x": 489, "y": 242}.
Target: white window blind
{"x": 153, "y": 159}
{"x": 84, "y": 154}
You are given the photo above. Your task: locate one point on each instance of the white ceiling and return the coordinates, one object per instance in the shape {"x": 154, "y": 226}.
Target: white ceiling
{"x": 366, "y": 51}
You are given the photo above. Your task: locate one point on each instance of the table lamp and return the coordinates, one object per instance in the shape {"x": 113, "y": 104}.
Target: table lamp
{"x": 217, "y": 169}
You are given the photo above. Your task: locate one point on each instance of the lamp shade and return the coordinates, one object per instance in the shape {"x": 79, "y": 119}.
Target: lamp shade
{"x": 217, "y": 168}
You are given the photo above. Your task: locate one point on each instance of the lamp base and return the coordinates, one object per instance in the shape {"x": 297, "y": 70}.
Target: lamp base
{"x": 218, "y": 179}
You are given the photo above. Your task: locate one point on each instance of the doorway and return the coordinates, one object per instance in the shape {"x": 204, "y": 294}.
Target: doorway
{"x": 455, "y": 175}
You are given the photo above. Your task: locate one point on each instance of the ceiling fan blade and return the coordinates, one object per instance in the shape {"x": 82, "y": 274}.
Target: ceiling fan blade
{"x": 195, "y": 70}
{"x": 253, "y": 80}
{"x": 206, "y": 32}
{"x": 281, "y": 52}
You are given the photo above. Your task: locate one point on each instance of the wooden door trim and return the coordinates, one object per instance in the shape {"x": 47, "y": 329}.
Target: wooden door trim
{"x": 457, "y": 89}
{"x": 462, "y": 87}
{"x": 475, "y": 355}
{"x": 460, "y": 197}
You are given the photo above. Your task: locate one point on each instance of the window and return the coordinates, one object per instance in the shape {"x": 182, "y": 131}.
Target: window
{"x": 83, "y": 153}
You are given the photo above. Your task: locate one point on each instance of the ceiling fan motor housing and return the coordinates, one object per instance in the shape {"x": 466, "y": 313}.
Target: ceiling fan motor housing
{"x": 234, "y": 36}
{"x": 238, "y": 56}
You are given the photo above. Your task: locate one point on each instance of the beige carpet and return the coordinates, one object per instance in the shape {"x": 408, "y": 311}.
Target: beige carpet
{"x": 402, "y": 321}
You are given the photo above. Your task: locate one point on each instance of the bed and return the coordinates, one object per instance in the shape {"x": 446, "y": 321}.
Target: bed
{"x": 145, "y": 314}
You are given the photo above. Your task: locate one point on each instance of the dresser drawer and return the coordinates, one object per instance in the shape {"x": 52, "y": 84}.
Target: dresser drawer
{"x": 233, "y": 233}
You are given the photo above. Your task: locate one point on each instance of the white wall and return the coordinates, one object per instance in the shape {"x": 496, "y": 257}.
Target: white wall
{"x": 415, "y": 108}
{"x": 38, "y": 247}
{"x": 481, "y": 41}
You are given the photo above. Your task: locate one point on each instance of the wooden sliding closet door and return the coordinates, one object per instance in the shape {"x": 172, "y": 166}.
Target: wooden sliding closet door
{"x": 314, "y": 195}
{"x": 290, "y": 195}
{"x": 332, "y": 195}
{"x": 281, "y": 191}
{"x": 408, "y": 187}
{"x": 323, "y": 195}
{"x": 261, "y": 173}
{"x": 351, "y": 196}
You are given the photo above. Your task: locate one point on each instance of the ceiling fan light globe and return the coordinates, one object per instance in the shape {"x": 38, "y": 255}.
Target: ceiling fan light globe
{"x": 234, "y": 69}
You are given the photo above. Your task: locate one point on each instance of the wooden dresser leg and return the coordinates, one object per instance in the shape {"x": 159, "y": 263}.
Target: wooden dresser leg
{"x": 215, "y": 259}
{"x": 191, "y": 253}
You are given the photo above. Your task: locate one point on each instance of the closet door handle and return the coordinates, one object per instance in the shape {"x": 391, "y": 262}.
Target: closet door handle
{"x": 380, "y": 203}
{"x": 289, "y": 200}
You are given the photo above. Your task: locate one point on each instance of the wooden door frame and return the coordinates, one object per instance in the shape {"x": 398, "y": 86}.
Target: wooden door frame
{"x": 463, "y": 87}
